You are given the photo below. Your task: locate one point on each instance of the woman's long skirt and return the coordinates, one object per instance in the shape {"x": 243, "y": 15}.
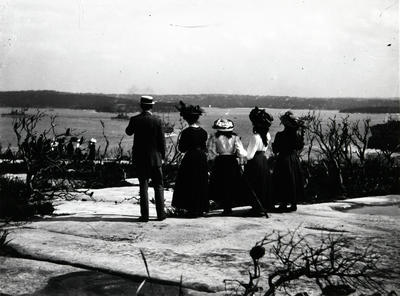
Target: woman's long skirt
{"x": 191, "y": 186}
{"x": 288, "y": 180}
{"x": 257, "y": 176}
{"x": 226, "y": 184}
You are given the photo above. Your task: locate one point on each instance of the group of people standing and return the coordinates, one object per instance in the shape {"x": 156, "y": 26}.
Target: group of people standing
{"x": 228, "y": 185}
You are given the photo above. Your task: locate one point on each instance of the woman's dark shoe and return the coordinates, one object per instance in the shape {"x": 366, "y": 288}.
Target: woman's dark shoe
{"x": 281, "y": 209}
{"x": 190, "y": 214}
{"x": 255, "y": 213}
{"x": 292, "y": 208}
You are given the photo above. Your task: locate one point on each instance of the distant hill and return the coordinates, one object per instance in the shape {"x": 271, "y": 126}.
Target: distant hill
{"x": 129, "y": 103}
{"x": 230, "y": 101}
{"x": 54, "y": 99}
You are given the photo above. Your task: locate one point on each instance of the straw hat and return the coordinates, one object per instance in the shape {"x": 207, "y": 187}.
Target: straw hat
{"x": 223, "y": 125}
{"x": 147, "y": 100}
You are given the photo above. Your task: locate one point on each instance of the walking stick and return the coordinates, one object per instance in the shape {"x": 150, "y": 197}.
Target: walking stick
{"x": 253, "y": 194}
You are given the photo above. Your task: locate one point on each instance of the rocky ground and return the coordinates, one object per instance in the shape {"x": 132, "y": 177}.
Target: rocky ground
{"x": 93, "y": 247}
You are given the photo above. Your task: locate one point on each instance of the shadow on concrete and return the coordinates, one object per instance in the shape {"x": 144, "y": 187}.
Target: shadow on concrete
{"x": 94, "y": 218}
{"x": 88, "y": 283}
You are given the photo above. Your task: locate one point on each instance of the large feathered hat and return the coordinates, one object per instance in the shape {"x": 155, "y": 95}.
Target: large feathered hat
{"x": 260, "y": 117}
{"x": 290, "y": 120}
{"x": 185, "y": 110}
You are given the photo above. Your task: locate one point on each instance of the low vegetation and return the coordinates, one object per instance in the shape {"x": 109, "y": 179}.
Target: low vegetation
{"x": 4, "y": 242}
{"x": 15, "y": 203}
{"x": 330, "y": 262}
{"x": 336, "y": 163}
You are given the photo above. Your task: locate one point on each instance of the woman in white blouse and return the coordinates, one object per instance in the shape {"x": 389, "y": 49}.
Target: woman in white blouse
{"x": 257, "y": 172}
{"x": 226, "y": 184}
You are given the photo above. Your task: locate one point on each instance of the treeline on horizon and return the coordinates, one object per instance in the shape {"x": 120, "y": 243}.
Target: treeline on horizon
{"x": 167, "y": 103}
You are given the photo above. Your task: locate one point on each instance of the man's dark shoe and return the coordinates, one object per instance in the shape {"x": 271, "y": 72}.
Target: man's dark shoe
{"x": 292, "y": 208}
{"x": 226, "y": 212}
{"x": 161, "y": 218}
{"x": 143, "y": 219}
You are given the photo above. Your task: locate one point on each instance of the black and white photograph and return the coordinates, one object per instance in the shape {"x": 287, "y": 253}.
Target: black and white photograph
{"x": 199, "y": 147}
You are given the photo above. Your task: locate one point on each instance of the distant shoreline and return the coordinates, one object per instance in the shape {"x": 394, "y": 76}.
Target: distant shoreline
{"x": 372, "y": 109}
{"x": 166, "y": 103}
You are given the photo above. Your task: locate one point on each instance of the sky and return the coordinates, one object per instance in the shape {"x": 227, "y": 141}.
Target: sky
{"x": 305, "y": 48}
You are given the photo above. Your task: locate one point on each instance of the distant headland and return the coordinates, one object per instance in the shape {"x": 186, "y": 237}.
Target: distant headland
{"x": 166, "y": 103}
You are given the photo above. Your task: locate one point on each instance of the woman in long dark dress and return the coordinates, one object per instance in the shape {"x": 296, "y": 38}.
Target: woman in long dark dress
{"x": 288, "y": 176}
{"x": 257, "y": 170}
{"x": 226, "y": 180}
{"x": 191, "y": 186}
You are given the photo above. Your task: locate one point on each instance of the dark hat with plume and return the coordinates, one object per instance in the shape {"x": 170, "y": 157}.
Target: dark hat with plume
{"x": 260, "y": 117}
{"x": 290, "y": 120}
{"x": 185, "y": 110}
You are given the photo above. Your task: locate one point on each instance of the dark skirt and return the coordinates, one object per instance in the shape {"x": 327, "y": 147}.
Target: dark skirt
{"x": 288, "y": 179}
{"x": 226, "y": 183}
{"x": 258, "y": 179}
{"x": 191, "y": 186}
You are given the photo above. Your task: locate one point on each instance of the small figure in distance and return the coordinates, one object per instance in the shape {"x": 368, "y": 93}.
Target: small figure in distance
{"x": 148, "y": 152}
{"x": 70, "y": 148}
{"x": 92, "y": 149}
{"x": 78, "y": 150}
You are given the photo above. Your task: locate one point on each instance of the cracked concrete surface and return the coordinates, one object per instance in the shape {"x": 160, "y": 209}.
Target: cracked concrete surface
{"x": 104, "y": 234}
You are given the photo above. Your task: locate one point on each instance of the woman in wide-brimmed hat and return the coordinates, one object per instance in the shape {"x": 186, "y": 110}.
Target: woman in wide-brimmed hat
{"x": 225, "y": 179}
{"x": 257, "y": 171}
{"x": 288, "y": 176}
{"x": 191, "y": 186}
